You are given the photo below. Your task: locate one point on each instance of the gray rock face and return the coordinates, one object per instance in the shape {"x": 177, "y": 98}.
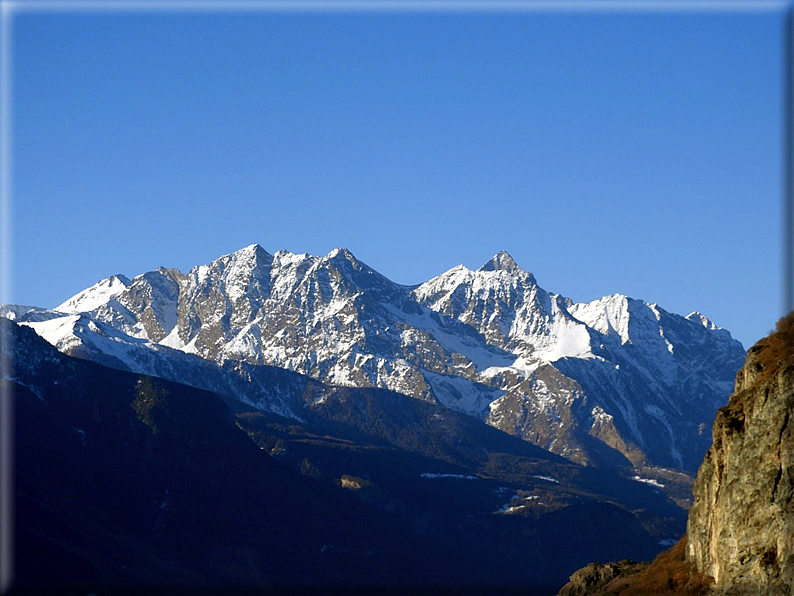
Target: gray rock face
{"x": 741, "y": 525}
{"x": 609, "y": 381}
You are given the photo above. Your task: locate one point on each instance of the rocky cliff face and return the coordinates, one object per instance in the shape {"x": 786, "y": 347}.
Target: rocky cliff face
{"x": 741, "y": 525}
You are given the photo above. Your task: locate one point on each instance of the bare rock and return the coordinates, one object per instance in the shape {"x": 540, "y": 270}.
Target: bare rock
{"x": 741, "y": 524}
{"x": 596, "y": 576}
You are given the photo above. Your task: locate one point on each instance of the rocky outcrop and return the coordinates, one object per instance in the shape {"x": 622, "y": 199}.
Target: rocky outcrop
{"x": 741, "y": 524}
{"x": 597, "y": 576}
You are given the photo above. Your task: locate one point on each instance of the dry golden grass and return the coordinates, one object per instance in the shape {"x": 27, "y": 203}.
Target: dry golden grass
{"x": 669, "y": 574}
{"x": 775, "y": 348}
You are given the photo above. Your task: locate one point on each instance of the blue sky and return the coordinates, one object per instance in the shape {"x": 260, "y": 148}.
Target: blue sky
{"x": 607, "y": 152}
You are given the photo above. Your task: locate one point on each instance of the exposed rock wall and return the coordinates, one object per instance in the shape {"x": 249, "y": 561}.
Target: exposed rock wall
{"x": 741, "y": 524}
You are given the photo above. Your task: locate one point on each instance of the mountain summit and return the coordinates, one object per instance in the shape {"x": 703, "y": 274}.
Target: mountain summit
{"x": 614, "y": 381}
{"x": 501, "y": 261}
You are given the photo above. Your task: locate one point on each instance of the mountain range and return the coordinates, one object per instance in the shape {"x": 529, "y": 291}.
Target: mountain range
{"x": 295, "y": 422}
{"x": 612, "y": 382}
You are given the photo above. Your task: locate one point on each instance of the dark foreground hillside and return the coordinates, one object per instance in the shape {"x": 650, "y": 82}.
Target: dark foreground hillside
{"x": 132, "y": 484}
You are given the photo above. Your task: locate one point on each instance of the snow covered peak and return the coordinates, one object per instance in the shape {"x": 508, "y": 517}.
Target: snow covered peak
{"x": 251, "y": 253}
{"x": 239, "y": 263}
{"x": 251, "y": 249}
{"x": 343, "y": 263}
{"x": 240, "y": 275}
{"x": 702, "y": 319}
{"x": 608, "y": 315}
{"x": 343, "y": 257}
{"x": 96, "y": 295}
{"x": 501, "y": 261}
{"x": 340, "y": 252}
{"x": 499, "y": 278}
{"x": 285, "y": 258}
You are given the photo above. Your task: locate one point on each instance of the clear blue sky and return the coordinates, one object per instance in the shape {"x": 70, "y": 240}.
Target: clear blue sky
{"x": 607, "y": 152}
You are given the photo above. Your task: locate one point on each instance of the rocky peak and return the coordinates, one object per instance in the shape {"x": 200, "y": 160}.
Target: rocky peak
{"x": 119, "y": 279}
{"x": 253, "y": 250}
{"x": 702, "y": 319}
{"x": 253, "y": 256}
{"x": 608, "y": 315}
{"x": 240, "y": 268}
{"x": 501, "y": 261}
{"x": 341, "y": 253}
{"x": 359, "y": 276}
{"x": 96, "y": 295}
{"x": 343, "y": 261}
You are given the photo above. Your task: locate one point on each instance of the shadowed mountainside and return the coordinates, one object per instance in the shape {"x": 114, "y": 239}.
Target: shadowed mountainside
{"x": 127, "y": 482}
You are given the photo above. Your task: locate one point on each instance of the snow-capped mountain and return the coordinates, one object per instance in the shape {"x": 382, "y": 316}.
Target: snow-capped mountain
{"x": 607, "y": 381}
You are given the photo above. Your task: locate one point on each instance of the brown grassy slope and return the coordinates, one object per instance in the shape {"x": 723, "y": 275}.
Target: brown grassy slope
{"x": 668, "y": 574}
{"x": 777, "y": 347}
